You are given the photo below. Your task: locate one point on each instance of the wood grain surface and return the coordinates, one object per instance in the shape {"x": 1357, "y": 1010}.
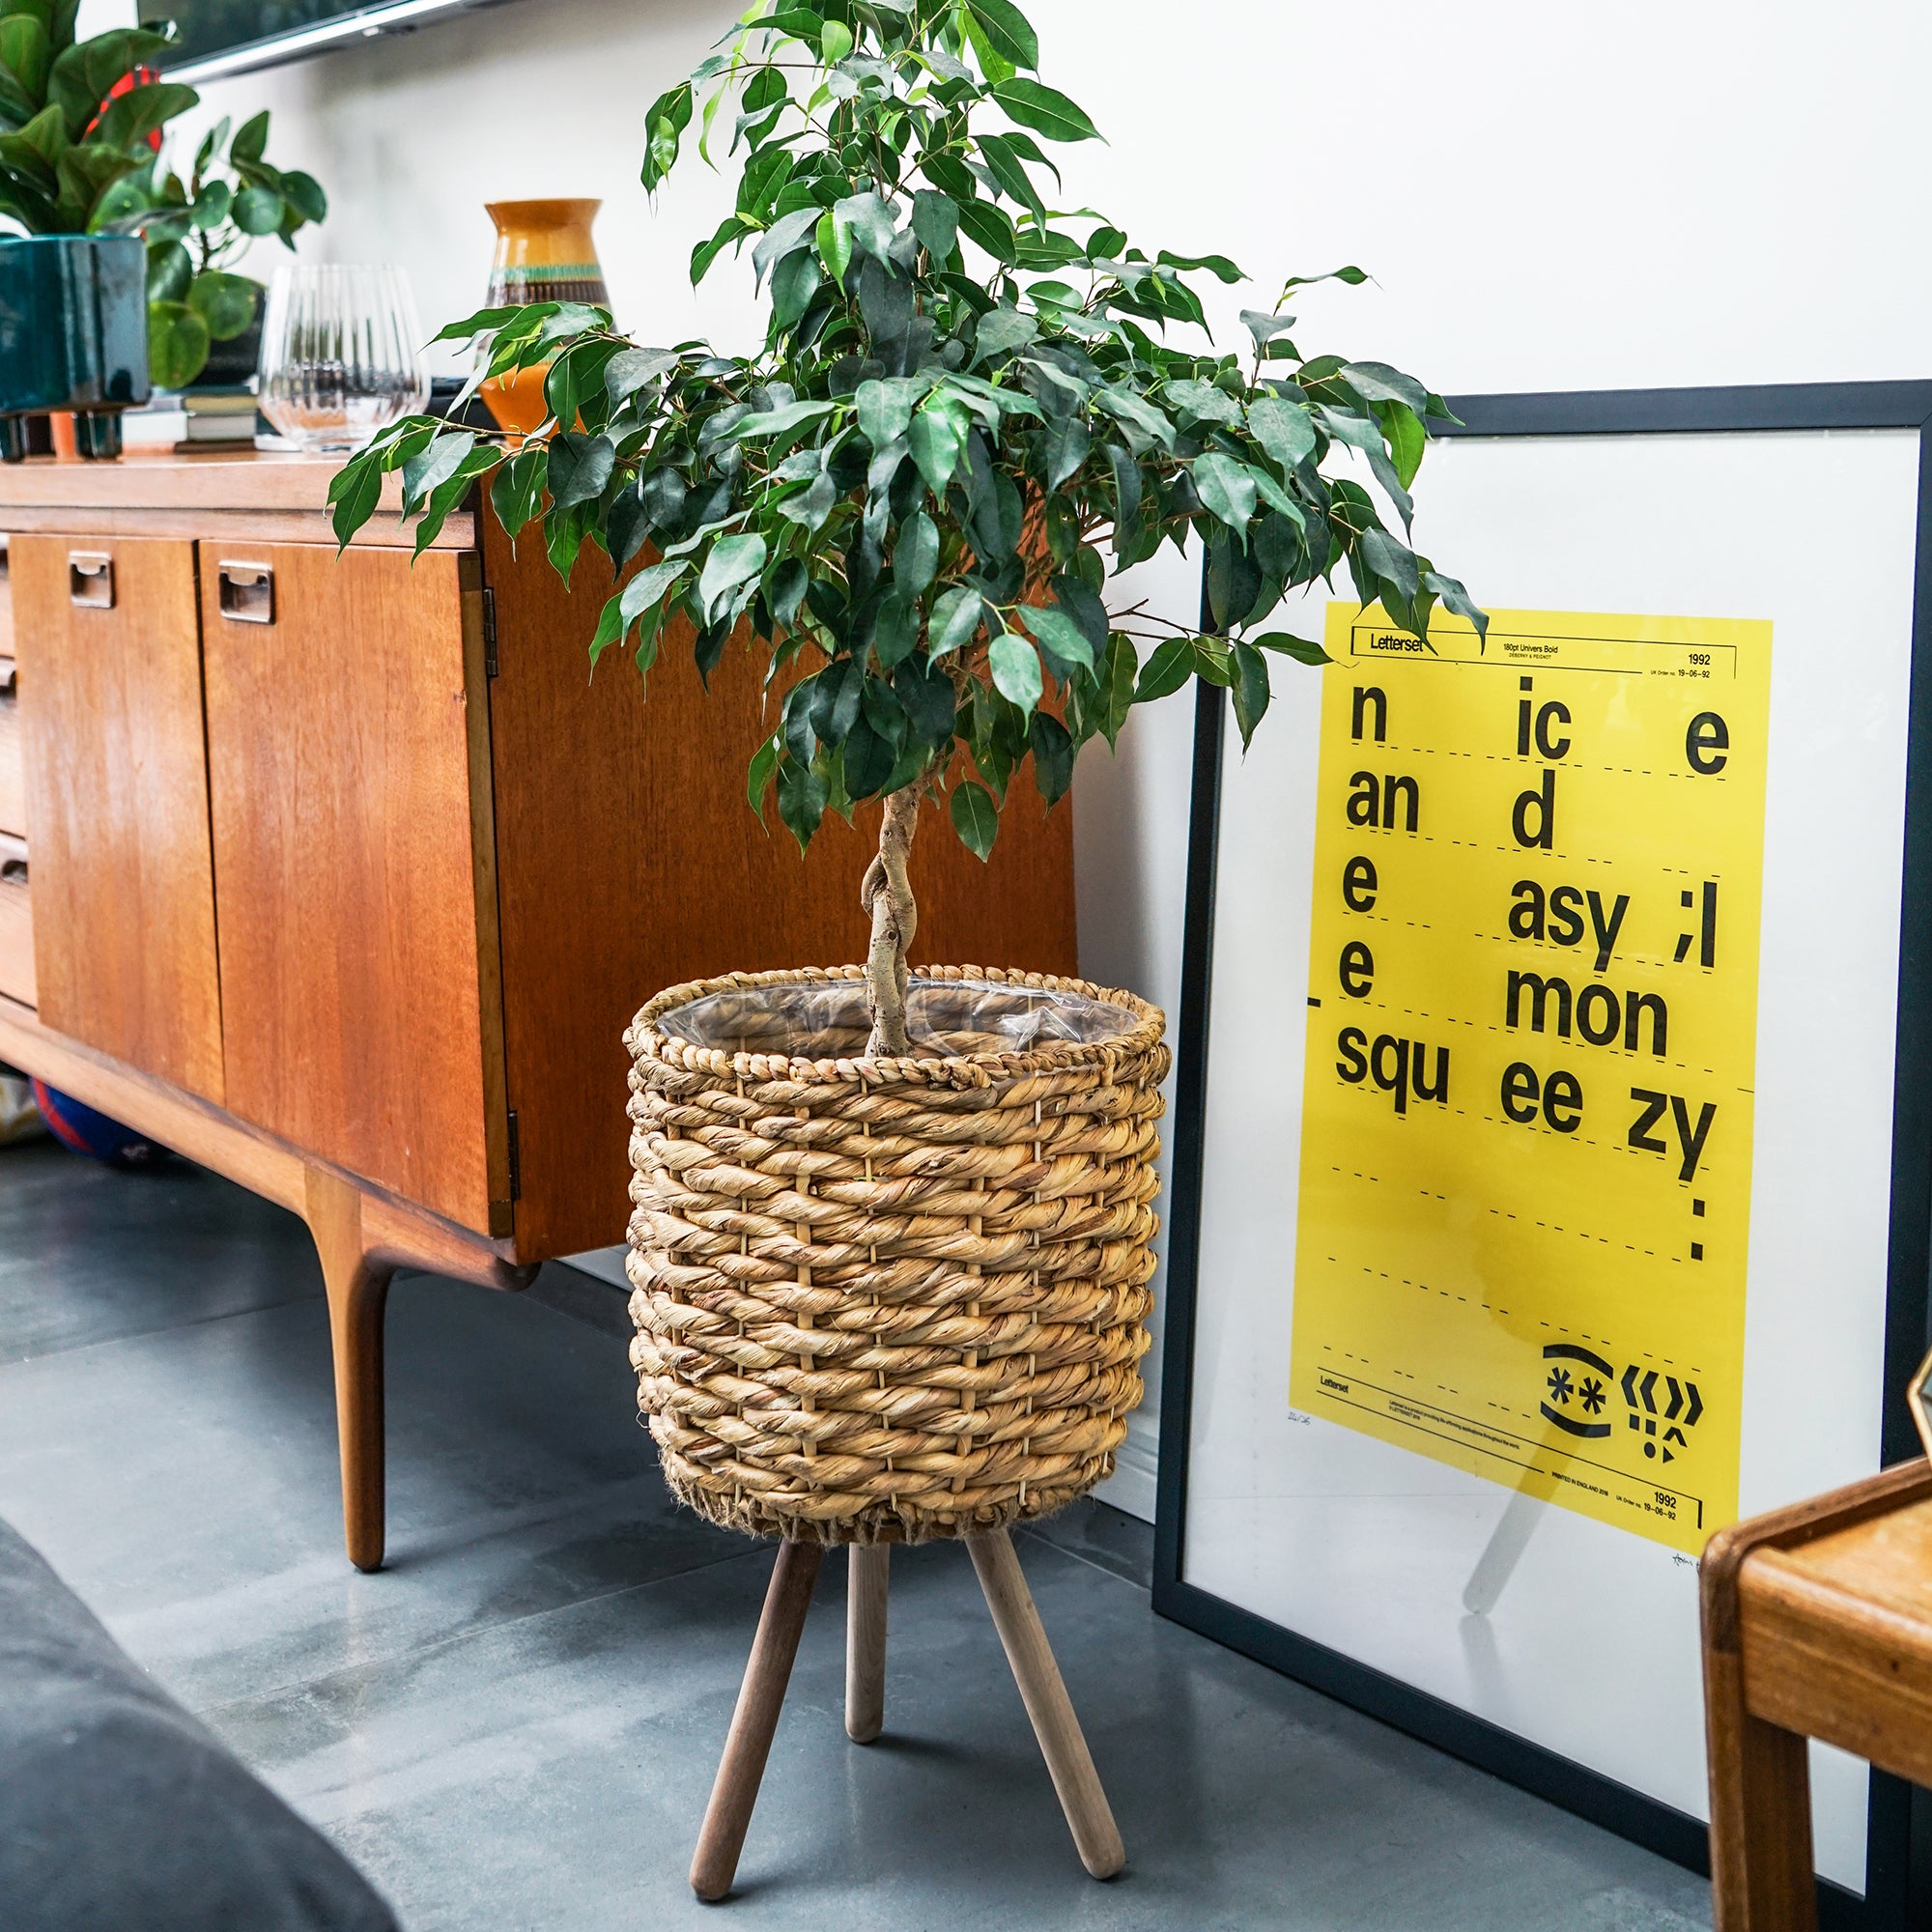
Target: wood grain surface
{"x": 13, "y": 768}
{"x": 16, "y": 941}
{"x": 380, "y": 532}
{"x": 117, "y": 807}
{"x": 1837, "y": 1638}
{"x": 393, "y": 1230}
{"x": 1817, "y": 1622}
{"x": 159, "y": 479}
{"x": 628, "y": 861}
{"x": 340, "y": 743}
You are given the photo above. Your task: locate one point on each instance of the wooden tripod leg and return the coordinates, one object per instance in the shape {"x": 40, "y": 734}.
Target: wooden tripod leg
{"x": 759, "y": 1697}
{"x": 866, "y": 1584}
{"x": 1088, "y": 1816}
{"x": 357, "y": 1289}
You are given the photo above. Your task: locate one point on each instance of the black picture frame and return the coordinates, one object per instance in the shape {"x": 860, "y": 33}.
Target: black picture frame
{"x": 1898, "y": 1872}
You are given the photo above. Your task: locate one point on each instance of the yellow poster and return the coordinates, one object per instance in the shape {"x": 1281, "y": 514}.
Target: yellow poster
{"x": 1532, "y": 1016}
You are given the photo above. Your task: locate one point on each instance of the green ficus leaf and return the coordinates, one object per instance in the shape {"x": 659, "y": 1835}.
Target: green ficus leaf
{"x": 1251, "y": 690}
{"x": 1203, "y": 402}
{"x": 1285, "y": 430}
{"x": 517, "y": 492}
{"x": 869, "y": 222}
{"x": 1000, "y": 330}
{"x": 434, "y": 466}
{"x": 1060, "y": 637}
{"x": 976, "y": 818}
{"x": 1016, "y": 672}
{"x": 955, "y": 617}
{"x": 935, "y": 220}
{"x": 884, "y": 409}
{"x": 733, "y": 560}
{"x": 1407, "y": 439}
{"x": 1008, "y": 31}
{"x": 1165, "y": 671}
{"x": 758, "y": 773}
{"x": 937, "y": 438}
{"x": 834, "y": 240}
{"x": 801, "y": 800}
{"x": 651, "y": 587}
{"x": 1226, "y": 487}
{"x": 989, "y": 228}
{"x": 916, "y": 556}
{"x": 1045, "y": 110}
{"x": 1298, "y": 649}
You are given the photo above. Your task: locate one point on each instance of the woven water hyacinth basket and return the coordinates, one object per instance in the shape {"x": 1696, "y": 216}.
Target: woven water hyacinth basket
{"x": 887, "y": 1300}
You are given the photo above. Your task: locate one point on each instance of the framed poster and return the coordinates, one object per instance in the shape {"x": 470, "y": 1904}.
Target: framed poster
{"x": 1552, "y": 1147}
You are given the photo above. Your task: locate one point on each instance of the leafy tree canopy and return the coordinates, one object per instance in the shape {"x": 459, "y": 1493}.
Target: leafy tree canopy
{"x": 970, "y": 406}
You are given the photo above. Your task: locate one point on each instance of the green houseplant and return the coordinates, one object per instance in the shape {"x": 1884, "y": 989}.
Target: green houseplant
{"x": 892, "y": 1238}
{"x": 80, "y": 128}
{"x": 197, "y": 228}
{"x": 965, "y": 415}
{"x": 76, "y": 122}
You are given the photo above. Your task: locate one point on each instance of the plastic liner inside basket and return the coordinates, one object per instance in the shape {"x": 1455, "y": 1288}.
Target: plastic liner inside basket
{"x": 827, "y": 1020}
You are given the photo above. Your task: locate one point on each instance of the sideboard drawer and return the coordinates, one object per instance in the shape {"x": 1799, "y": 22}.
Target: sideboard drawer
{"x": 346, "y": 713}
{"x": 13, "y": 779}
{"x": 17, "y": 924}
{"x": 116, "y": 769}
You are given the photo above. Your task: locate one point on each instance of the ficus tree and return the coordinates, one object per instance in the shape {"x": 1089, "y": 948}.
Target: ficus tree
{"x": 970, "y": 408}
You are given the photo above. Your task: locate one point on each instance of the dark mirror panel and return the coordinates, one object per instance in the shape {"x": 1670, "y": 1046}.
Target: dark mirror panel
{"x": 216, "y": 26}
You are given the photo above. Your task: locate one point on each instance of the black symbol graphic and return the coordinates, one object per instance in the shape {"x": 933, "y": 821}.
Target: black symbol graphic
{"x": 1561, "y": 1387}
{"x": 1683, "y": 1403}
{"x": 1705, "y": 938}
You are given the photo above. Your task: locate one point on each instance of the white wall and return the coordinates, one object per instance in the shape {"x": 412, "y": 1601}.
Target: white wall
{"x": 1548, "y": 197}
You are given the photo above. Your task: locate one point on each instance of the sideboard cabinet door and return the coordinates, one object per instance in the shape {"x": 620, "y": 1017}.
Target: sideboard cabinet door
{"x": 354, "y": 863}
{"x": 116, "y": 775}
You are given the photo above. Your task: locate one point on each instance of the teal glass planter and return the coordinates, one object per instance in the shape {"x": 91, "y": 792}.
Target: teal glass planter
{"x": 74, "y": 335}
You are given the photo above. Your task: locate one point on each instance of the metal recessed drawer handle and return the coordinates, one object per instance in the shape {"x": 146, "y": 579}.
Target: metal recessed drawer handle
{"x": 245, "y": 592}
{"x": 90, "y": 580}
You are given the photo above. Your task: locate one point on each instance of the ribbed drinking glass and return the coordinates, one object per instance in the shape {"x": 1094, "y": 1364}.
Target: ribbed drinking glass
{"x": 340, "y": 359}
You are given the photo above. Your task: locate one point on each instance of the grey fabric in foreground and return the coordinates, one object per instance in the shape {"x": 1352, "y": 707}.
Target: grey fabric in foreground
{"x": 119, "y": 1811}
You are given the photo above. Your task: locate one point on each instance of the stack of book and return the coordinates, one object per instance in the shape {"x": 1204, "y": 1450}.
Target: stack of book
{"x": 215, "y": 419}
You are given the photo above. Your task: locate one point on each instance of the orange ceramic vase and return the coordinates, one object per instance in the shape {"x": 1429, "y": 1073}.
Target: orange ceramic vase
{"x": 544, "y": 253}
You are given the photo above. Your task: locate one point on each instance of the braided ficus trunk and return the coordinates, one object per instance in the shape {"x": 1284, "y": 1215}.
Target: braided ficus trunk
{"x": 886, "y": 894}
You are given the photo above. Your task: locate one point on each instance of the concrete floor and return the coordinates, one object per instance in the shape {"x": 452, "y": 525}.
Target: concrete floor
{"x": 516, "y": 1724}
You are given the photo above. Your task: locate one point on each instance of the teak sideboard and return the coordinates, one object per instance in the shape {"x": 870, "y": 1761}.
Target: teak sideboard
{"x": 341, "y": 876}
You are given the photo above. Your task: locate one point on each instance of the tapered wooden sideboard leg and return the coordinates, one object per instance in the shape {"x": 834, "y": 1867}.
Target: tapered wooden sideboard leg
{"x": 1088, "y": 1816}
{"x": 865, "y": 1585}
{"x": 357, "y": 1289}
{"x": 757, "y": 1717}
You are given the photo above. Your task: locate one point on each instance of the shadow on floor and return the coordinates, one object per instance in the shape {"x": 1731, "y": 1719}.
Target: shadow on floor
{"x": 516, "y": 1724}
